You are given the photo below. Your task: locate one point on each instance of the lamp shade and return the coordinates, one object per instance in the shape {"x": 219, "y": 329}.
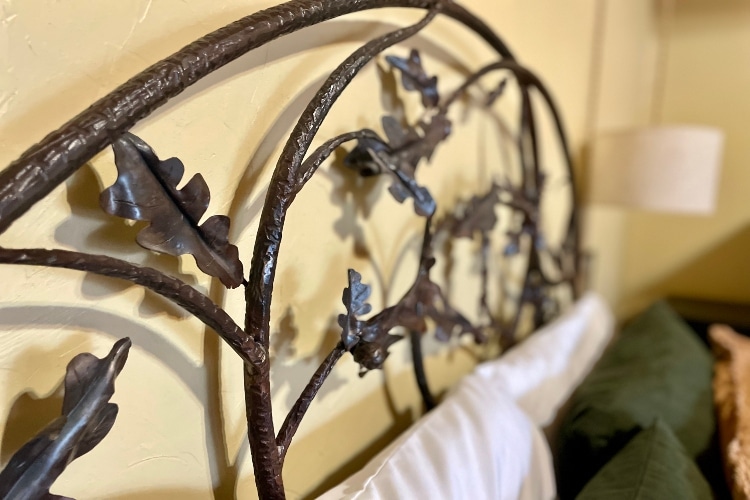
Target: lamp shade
{"x": 663, "y": 169}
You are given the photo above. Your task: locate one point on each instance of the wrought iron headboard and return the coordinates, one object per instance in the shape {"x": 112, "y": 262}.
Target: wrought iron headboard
{"x": 146, "y": 190}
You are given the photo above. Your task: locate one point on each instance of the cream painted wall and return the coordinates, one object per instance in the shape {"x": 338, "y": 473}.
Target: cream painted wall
{"x": 625, "y": 62}
{"x": 707, "y": 77}
{"x": 169, "y": 441}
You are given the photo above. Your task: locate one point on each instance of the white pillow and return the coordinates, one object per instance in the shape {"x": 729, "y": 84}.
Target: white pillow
{"x": 484, "y": 440}
{"x": 541, "y": 372}
{"x": 476, "y": 444}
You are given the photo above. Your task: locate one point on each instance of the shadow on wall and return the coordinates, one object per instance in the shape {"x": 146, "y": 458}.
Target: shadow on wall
{"x": 315, "y": 450}
{"x": 720, "y": 274}
{"x": 28, "y": 415}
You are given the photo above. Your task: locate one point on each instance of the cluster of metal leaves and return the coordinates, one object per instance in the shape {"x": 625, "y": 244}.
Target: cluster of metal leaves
{"x": 478, "y": 217}
{"x": 414, "y": 77}
{"x": 398, "y": 155}
{"x": 369, "y": 340}
{"x": 87, "y": 417}
{"x": 146, "y": 190}
{"x": 405, "y": 146}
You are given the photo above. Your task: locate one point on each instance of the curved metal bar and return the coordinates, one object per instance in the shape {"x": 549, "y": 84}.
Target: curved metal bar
{"x": 573, "y": 233}
{"x": 285, "y": 184}
{"x": 47, "y": 164}
{"x": 321, "y": 154}
{"x": 417, "y": 357}
{"x": 173, "y": 289}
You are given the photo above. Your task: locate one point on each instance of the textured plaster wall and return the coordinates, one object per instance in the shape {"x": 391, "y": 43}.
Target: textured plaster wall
{"x": 181, "y": 432}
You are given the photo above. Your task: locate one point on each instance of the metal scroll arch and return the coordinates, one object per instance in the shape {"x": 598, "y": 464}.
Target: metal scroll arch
{"x": 370, "y": 338}
{"x": 58, "y": 156}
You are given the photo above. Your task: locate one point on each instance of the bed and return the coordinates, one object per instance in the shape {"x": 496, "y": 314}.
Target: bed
{"x": 529, "y": 321}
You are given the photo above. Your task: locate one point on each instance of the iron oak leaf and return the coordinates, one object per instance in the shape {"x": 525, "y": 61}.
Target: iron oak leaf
{"x": 449, "y": 322}
{"x": 371, "y": 158}
{"x": 414, "y": 143}
{"x": 366, "y": 340}
{"x": 477, "y": 216}
{"x": 433, "y": 133}
{"x": 414, "y": 77}
{"x": 87, "y": 417}
{"x": 423, "y": 300}
{"x": 399, "y": 157}
{"x": 146, "y": 190}
{"x": 513, "y": 246}
{"x": 399, "y": 137}
{"x": 355, "y": 300}
{"x": 404, "y": 184}
{"x": 426, "y": 299}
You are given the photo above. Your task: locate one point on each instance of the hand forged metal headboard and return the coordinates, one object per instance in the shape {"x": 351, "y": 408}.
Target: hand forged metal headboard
{"x": 146, "y": 190}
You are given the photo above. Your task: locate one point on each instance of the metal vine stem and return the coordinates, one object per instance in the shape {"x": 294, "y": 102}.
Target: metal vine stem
{"x": 174, "y": 219}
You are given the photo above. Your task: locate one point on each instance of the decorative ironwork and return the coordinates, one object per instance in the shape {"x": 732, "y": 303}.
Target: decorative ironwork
{"x": 146, "y": 189}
